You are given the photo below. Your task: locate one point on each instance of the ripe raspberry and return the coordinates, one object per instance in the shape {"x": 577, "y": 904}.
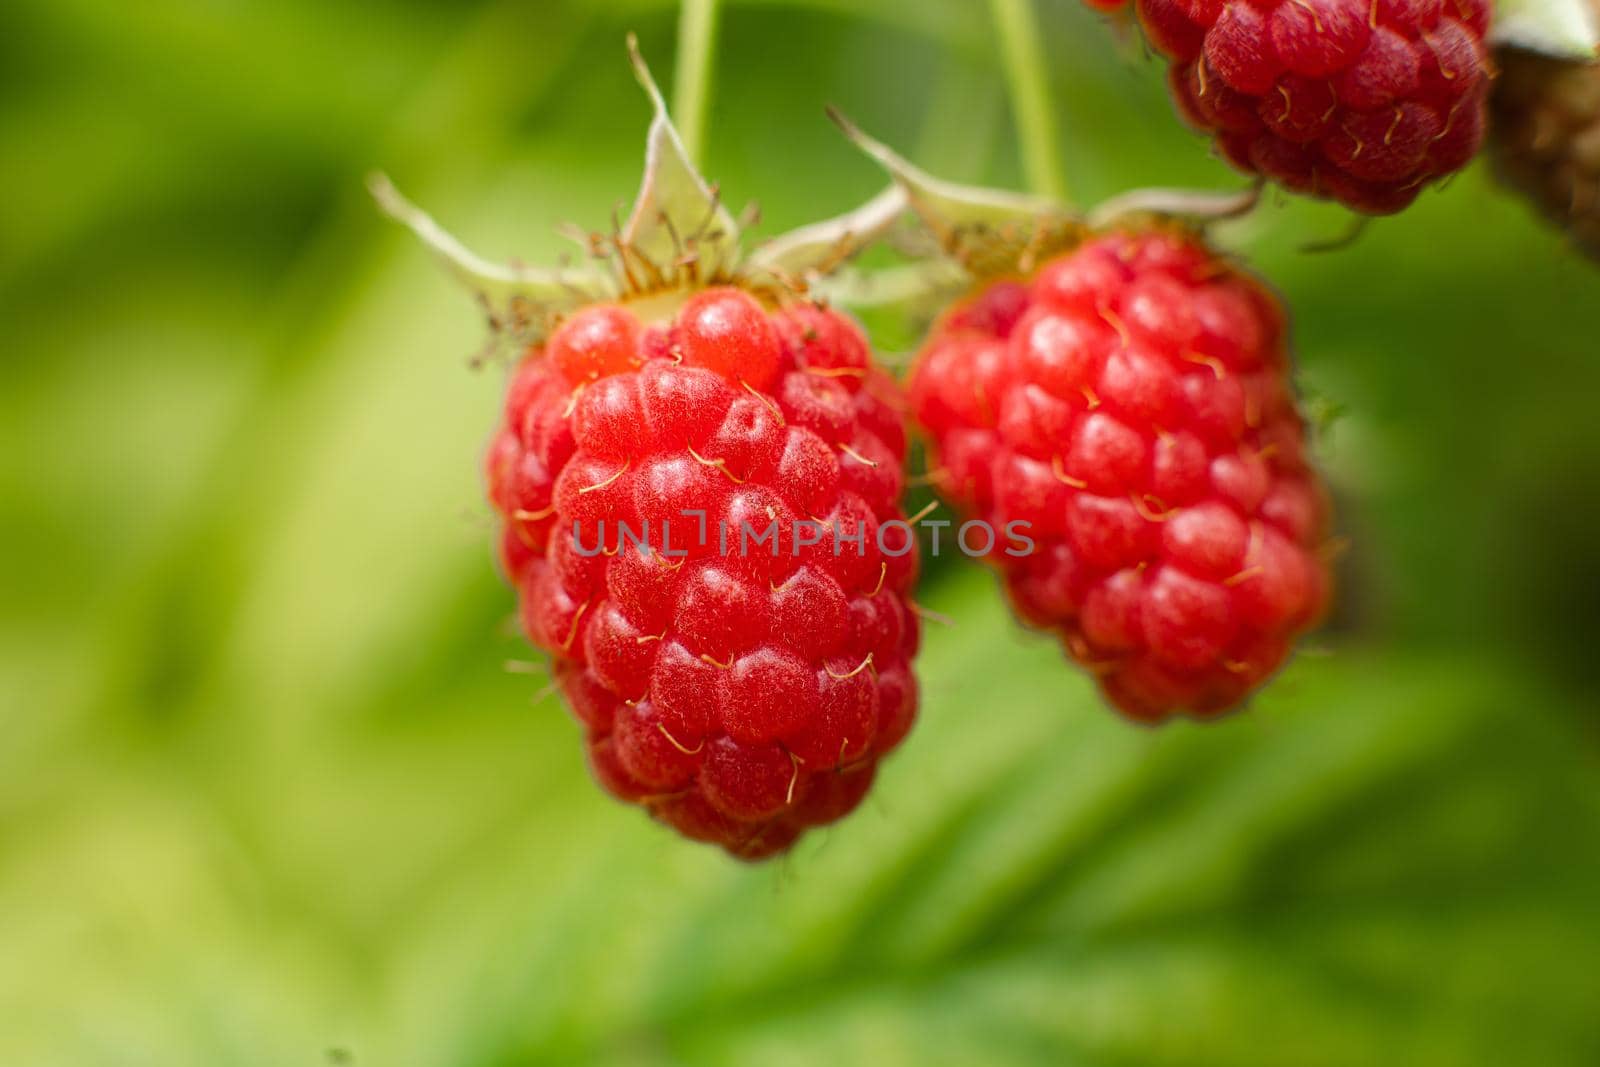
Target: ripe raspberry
{"x": 699, "y": 472}
{"x": 1545, "y": 137}
{"x": 1360, "y": 101}
{"x": 1130, "y": 402}
{"x": 740, "y": 691}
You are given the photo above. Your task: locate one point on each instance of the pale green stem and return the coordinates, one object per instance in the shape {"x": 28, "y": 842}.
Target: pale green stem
{"x": 691, "y": 85}
{"x": 1022, "y": 53}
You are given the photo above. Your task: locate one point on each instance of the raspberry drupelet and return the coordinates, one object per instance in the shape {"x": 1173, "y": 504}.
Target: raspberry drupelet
{"x": 1130, "y": 401}
{"x": 1360, "y": 101}
{"x": 739, "y": 685}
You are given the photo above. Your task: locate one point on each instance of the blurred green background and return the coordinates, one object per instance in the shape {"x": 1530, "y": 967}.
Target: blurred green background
{"x": 269, "y": 797}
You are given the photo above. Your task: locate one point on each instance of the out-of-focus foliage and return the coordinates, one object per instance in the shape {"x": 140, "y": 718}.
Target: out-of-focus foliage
{"x": 268, "y": 796}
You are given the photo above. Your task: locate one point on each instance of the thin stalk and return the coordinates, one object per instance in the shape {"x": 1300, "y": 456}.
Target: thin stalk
{"x": 1022, "y": 54}
{"x": 691, "y": 84}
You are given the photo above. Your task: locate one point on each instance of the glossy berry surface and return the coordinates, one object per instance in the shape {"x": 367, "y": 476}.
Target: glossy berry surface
{"x": 1130, "y": 403}
{"x": 739, "y": 670}
{"x": 1360, "y": 101}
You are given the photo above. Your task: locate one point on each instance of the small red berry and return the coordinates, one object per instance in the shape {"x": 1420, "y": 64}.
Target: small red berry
{"x": 694, "y": 469}
{"x": 1360, "y": 102}
{"x": 1132, "y": 407}
{"x": 739, "y": 684}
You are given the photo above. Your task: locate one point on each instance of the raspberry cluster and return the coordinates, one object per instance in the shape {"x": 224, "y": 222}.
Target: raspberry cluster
{"x": 740, "y": 690}
{"x": 1361, "y": 101}
{"x": 1130, "y": 402}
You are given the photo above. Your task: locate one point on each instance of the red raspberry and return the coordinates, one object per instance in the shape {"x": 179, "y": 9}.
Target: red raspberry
{"x": 1130, "y": 403}
{"x": 1361, "y": 101}
{"x": 739, "y": 690}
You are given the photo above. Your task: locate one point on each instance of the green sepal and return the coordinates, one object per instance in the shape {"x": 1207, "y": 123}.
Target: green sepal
{"x": 814, "y": 250}
{"x": 678, "y": 220}
{"x": 678, "y": 237}
{"x": 520, "y": 300}
{"x": 988, "y": 233}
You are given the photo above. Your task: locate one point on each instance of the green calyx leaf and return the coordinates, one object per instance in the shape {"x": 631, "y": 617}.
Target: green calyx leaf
{"x": 815, "y": 249}
{"x": 679, "y": 221}
{"x": 1197, "y": 206}
{"x": 1566, "y": 29}
{"x": 518, "y": 299}
{"x": 678, "y": 237}
{"x": 987, "y": 233}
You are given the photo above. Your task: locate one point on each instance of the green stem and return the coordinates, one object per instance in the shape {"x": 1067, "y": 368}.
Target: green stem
{"x": 691, "y": 85}
{"x": 1022, "y": 52}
